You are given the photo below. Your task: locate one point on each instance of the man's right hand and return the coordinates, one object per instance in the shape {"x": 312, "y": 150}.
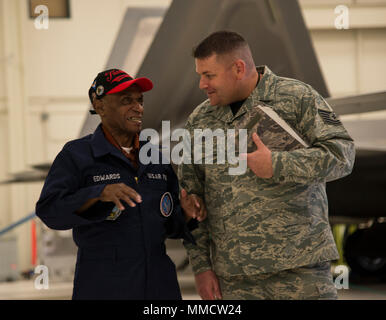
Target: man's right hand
{"x": 119, "y": 191}
{"x": 208, "y": 286}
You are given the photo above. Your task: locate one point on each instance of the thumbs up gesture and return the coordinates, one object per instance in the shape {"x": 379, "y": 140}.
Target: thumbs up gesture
{"x": 259, "y": 161}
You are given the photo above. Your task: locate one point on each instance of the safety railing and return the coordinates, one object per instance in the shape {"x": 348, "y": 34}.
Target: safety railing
{"x": 17, "y": 223}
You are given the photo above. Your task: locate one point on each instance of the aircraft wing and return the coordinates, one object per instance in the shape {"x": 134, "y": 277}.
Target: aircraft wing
{"x": 369, "y": 102}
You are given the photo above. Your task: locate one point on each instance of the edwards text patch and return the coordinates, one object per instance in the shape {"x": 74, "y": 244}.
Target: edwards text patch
{"x": 103, "y": 177}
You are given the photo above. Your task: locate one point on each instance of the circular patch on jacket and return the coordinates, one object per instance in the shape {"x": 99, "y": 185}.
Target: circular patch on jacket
{"x": 166, "y": 204}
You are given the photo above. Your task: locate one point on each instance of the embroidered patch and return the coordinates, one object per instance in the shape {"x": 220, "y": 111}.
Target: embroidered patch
{"x": 100, "y": 90}
{"x": 329, "y": 117}
{"x": 157, "y": 176}
{"x": 103, "y": 177}
{"x": 114, "y": 214}
{"x": 166, "y": 204}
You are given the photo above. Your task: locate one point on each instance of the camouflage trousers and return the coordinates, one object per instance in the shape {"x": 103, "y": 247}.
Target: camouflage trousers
{"x": 312, "y": 282}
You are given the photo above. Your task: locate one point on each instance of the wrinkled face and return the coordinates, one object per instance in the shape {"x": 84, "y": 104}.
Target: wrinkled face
{"x": 122, "y": 112}
{"x": 218, "y": 79}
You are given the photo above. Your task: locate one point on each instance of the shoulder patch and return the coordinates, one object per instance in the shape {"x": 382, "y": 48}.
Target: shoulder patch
{"x": 329, "y": 117}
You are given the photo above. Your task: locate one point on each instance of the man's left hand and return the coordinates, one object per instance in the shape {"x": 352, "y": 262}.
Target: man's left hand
{"x": 193, "y": 206}
{"x": 259, "y": 161}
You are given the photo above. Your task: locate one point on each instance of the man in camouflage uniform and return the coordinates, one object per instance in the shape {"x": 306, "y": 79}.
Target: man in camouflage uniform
{"x": 267, "y": 234}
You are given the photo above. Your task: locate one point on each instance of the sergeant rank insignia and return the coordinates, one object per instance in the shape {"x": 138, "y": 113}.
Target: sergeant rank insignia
{"x": 114, "y": 214}
{"x": 329, "y": 117}
{"x": 166, "y": 204}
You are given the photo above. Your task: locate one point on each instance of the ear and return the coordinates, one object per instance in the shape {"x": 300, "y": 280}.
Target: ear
{"x": 98, "y": 106}
{"x": 240, "y": 68}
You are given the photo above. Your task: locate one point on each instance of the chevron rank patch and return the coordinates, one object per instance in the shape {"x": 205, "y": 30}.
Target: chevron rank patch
{"x": 329, "y": 117}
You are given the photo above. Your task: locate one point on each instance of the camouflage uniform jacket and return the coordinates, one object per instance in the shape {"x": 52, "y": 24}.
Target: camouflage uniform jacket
{"x": 257, "y": 225}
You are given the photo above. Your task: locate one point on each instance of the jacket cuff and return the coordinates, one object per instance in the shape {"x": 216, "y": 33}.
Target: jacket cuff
{"x": 277, "y": 166}
{"x": 99, "y": 211}
{"x": 200, "y": 268}
{"x": 186, "y": 235}
{"x": 192, "y": 224}
{"x": 198, "y": 259}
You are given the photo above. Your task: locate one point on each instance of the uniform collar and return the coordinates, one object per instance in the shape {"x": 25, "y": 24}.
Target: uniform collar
{"x": 99, "y": 144}
{"x": 264, "y": 92}
{"x": 101, "y": 147}
{"x": 110, "y": 138}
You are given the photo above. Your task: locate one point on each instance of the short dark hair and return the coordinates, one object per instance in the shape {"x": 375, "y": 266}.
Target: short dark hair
{"x": 220, "y": 42}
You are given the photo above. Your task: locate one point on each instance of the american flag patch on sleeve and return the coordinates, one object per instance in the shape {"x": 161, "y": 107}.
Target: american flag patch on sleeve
{"x": 329, "y": 117}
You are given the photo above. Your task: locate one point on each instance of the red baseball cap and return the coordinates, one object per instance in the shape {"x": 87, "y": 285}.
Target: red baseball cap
{"x": 115, "y": 80}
